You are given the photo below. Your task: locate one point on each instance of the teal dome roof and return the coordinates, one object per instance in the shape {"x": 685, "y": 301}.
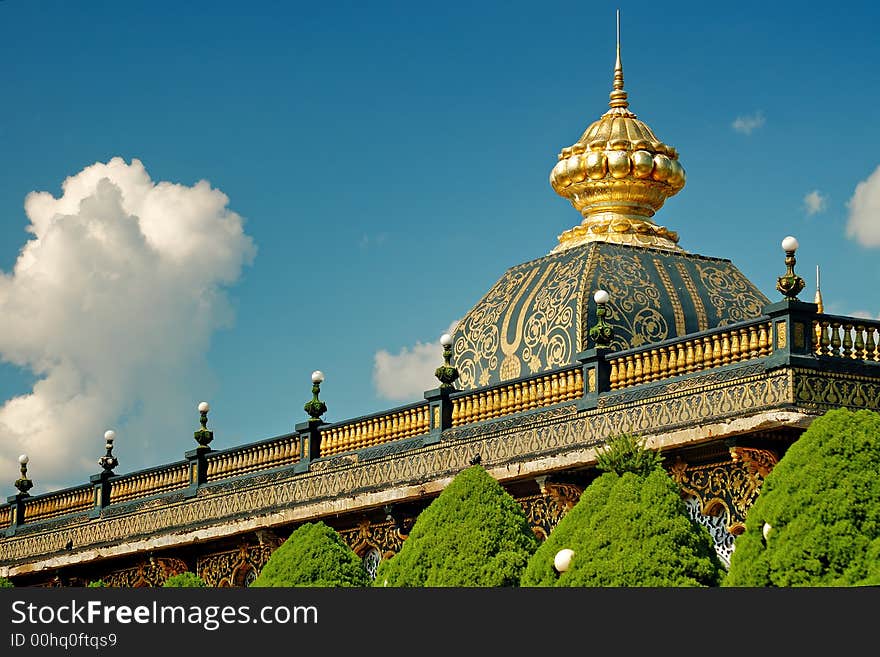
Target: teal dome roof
{"x": 536, "y": 318}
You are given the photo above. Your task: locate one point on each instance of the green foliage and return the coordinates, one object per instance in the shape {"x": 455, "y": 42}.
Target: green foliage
{"x": 184, "y": 580}
{"x": 6, "y": 583}
{"x": 473, "y": 534}
{"x": 627, "y": 453}
{"x": 628, "y": 530}
{"x": 98, "y": 583}
{"x": 314, "y": 555}
{"x": 822, "y": 503}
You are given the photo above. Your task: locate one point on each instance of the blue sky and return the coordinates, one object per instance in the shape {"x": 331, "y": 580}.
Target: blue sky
{"x": 383, "y": 164}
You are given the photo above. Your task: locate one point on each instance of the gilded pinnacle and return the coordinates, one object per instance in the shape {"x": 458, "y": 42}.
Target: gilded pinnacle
{"x": 618, "y": 175}
{"x": 618, "y": 95}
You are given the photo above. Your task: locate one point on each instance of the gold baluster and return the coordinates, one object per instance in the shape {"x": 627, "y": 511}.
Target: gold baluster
{"x": 725, "y": 348}
{"x": 673, "y": 364}
{"x": 698, "y": 356}
{"x": 859, "y": 343}
{"x": 504, "y": 400}
{"x": 637, "y": 370}
{"x": 846, "y": 350}
{"x": 870, "y": 344}
{"x": 630, "y": 372}
{"x": 653, "y": 363}
{"x": 662, "y": 362}
{"x": 753, "y": 342}
{"x": 613, "y": 374}
{"x": 835, "y": 338}
{"x": 734, "y": 346}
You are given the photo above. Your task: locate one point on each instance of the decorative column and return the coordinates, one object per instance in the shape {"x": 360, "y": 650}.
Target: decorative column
{"x": 198, "y": 464}
{"x": 101, "y": 481}
{"x": 791, "y": 320}
{"x": 596, "y": 369}
{"x": 309, "y": 433}
{"x": 23, "y": 484}
{"x": 439, "y": 403}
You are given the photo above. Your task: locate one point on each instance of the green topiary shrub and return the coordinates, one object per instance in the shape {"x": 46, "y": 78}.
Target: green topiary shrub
{"x": 629, "y": 528}
{"x": 184, "y": 580}
{"x": 313, "y": 555}
{"x": 6, "y": 583}
{"x": 473, "y": 534}
{"x": 98, "y": 583}
{"x": 821, "y": 503}
{"x": 628, "y": 531}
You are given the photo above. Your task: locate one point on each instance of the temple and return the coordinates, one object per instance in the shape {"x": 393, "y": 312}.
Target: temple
{"x": 617, "y": 328}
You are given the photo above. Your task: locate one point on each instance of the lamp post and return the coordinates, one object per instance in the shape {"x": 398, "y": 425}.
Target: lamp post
{"x": 601, "y": 332}
{"x": 203, "y": 435}
{"x": 108, "y": 461}
{"x": 315, "y": 407}
{"x": 446, "y": 373}
{"x": 23, "y": 484}
{"x": 790, "y": 284}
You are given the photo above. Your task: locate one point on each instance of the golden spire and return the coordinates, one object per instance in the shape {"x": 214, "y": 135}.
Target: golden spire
{"x": 818, "y": 299}
{"x": 618, "y": 95}
{"x": 617, "y": 175}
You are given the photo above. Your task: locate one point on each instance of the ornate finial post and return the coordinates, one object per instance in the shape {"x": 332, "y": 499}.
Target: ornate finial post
{"x": 596, "y": 368}
{"x": 315, "y": 407}
{"x": 601, "y": 332}
{"x": 309, "y": 434}
{"x": 108, "y": 461}
{"x": 101, "y": 481}
{"x": 446, "y": 373}
{"x": 23, "y": 484}
{"x": 790, "y": 284}
{"x": 203, "y": 436}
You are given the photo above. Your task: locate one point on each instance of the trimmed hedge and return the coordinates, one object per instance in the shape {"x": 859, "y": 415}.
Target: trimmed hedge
{"x": 473, "y": 534}
{"x": 184, "y": 580}
{"x": 628, "y": 530}
{"x": 6, "y": 583}
{"x": 314, "y": 555}
{"x": 822, "y": 504}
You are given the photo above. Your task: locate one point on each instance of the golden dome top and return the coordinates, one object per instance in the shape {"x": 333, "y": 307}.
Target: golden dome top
{"x": 617, "y": 175}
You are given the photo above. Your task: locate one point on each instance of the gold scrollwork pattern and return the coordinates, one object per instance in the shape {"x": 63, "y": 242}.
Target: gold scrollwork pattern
{"x": 235, "y": 568}
{"x": 635, "y": 308}
{"x": 150, "y": 572}
{"x": 732, "y": 295}
{"x": 522, "y": 326}
{"x": 543, "y": 514}
{"x": 374, "y": 542}
{"x": 827, "y": 390}
{"x": 726, "y": 488}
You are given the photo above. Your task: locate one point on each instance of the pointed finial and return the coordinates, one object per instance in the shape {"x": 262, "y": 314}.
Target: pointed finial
{"x": 618, "y": 96}
{"x": 818, "y": 299}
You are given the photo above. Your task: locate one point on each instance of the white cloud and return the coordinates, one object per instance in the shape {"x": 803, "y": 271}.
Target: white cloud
{"x": 406, "y": 375}
{"x": 864, "y": 211}
{"x": 749, "y": 123}
{"x": 111, "y": 304}
{"x": 864, "y": 314}
{"x": 815, "y": 202}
